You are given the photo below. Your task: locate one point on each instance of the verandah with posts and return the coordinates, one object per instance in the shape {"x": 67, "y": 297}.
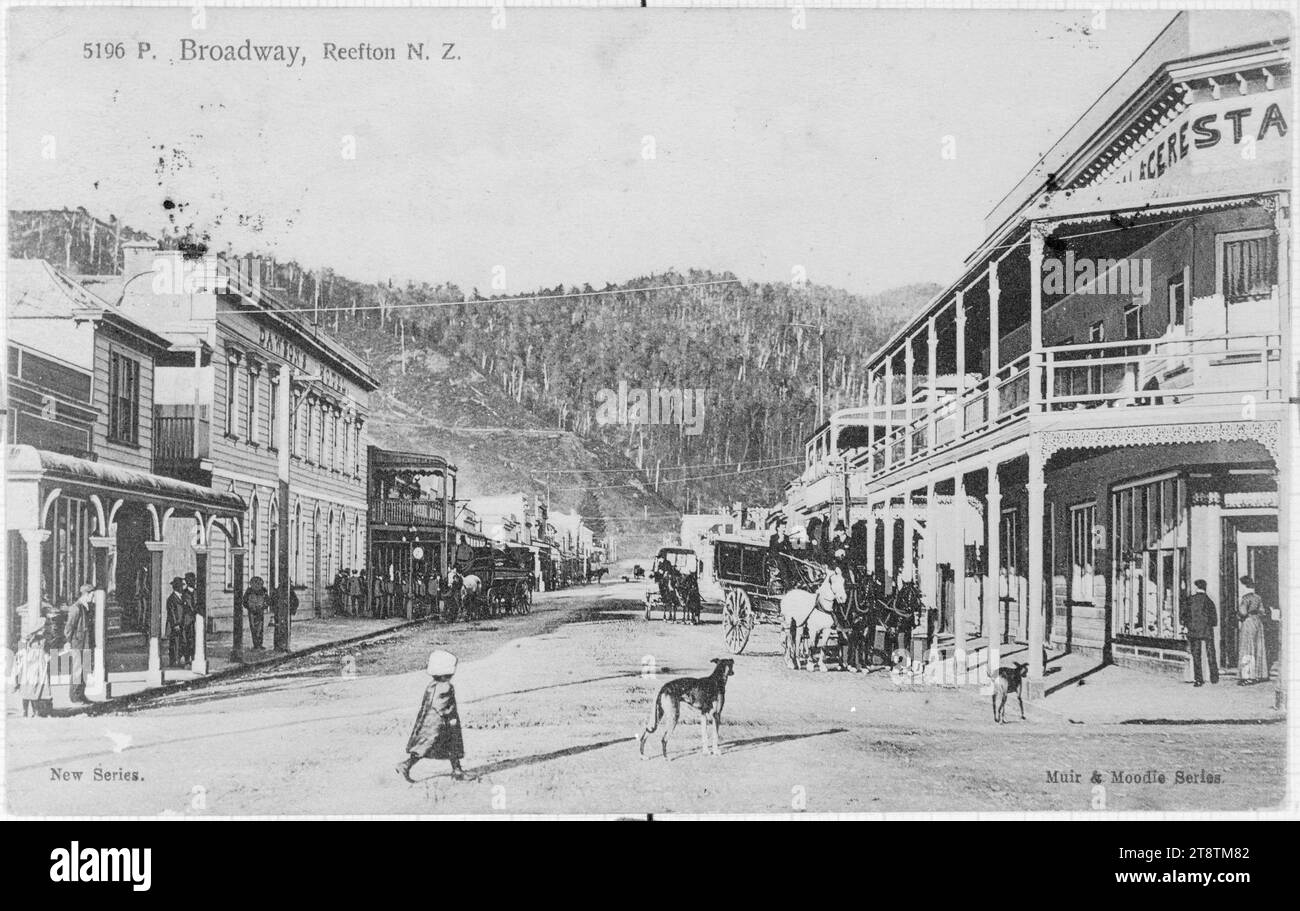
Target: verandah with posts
{"x": 1199, "y": 359}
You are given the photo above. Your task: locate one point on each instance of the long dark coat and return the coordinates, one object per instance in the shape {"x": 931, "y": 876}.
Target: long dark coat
{"x": 436, "y": 734}
{"x": 1200, "y": 616}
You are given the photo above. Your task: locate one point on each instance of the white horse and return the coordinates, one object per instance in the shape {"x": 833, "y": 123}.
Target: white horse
{"x": 815, "y": 614}
{"x": 466, "y": 589}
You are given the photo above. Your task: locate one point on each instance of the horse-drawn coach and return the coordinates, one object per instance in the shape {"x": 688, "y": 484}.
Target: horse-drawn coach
{"x": 494, "y": 584}
{"x": 818, "y": 605}
{"x": 674, "y": 585}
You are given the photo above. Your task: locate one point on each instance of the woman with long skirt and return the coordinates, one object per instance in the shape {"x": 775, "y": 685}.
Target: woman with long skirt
{"x": 1252, "y": 657}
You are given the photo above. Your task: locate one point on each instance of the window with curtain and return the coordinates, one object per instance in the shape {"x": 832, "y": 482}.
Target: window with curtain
{"x": 1249, "y": 268}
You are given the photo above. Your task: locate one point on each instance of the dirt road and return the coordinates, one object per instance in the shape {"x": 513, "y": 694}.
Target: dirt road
{"x": 552, "y": 704}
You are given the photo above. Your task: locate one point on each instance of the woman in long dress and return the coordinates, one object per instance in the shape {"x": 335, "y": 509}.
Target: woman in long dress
{"x": 1252, "y": 657}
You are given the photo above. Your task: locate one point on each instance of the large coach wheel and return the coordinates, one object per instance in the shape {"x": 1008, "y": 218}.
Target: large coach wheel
{"x": 737, "y": 620}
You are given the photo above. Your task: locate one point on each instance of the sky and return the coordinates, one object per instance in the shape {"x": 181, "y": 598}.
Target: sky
{"x": 569, "y": 146}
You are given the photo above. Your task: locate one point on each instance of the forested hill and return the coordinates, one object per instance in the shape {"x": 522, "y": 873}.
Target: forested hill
{"x": 510, "y": 386}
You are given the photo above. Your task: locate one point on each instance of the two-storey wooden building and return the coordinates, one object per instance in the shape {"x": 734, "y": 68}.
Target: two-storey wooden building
{"x": 1101, "y": 408}
{"x": 251, "y": 393}
{"x": 83, "y": 501}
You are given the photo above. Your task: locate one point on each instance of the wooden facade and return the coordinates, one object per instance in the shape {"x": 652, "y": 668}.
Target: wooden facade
{"x": 1095, "y": 414}
{"x": 83, "y": 503}
{"x": 245, "y": 378}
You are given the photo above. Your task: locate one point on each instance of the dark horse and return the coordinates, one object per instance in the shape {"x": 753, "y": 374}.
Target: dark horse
{"x": 597, "y": 575}
{"x": 869, "y": 609}
{"x": 686, "y": 588}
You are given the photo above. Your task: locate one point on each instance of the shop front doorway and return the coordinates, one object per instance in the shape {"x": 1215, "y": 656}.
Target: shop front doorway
{"x": 1250, "y": 548}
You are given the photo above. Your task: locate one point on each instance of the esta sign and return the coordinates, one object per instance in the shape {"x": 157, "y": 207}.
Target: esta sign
{"x": 1214, "y": 136}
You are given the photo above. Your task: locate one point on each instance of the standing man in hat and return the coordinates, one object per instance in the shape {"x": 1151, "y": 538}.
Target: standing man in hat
{"x": 76, "y": 640}
{"x": 839, "y": 541}
{"x": 175, "y": 621}
{"x": 1201, "y": 617}
{"x": 436, "y": 734}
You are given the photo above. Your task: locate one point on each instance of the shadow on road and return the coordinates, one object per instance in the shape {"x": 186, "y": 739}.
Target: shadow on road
{"x": 552, "y": 686}
{"x": 737, "y": 746}
{"x": 1075, "y": 679}
{"x": 505, "y": 765}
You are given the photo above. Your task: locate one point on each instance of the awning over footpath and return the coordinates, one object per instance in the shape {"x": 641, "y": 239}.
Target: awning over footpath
{"x": 26, "y": 463}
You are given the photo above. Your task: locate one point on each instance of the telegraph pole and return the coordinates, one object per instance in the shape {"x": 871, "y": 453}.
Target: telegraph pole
{"x": 282, "y": 618}
{"x": 285, "y": 407}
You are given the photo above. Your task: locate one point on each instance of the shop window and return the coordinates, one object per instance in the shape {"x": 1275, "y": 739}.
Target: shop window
{"x": 66, "y": 562}
{"x": 1083, "y": 554}
{"x": 1248, "y": 267}
{"x": 123, "y": 399}
{"x": 1149, "y": 528}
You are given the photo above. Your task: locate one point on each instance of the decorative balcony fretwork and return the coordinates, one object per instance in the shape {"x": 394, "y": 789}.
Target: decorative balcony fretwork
{"x": 1265, "y": 433}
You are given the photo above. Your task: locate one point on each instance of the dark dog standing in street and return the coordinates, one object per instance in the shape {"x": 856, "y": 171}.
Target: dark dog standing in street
{"x": 1009, "y": 680}
{"x": 705, "y": 695}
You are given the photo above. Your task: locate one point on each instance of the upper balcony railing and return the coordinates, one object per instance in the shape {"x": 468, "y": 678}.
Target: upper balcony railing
{"x": 418, "y": 513}
{"x": 1137, "y": 373}
{"x": 177, "y": 447}
{"x": 1205, "y": 370}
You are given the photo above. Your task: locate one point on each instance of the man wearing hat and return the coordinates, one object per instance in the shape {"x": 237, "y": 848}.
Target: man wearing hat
{"x": 76, "y": 639}
{"x": 839, "y": 544}
{"x": 436, "y": 734}
{"x": 175, "y": 620}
